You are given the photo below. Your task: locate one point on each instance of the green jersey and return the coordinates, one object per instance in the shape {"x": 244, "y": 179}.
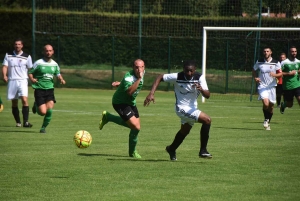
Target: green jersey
{"x": 290, "y": 82}
{"x": 44, "y": 72}
{"x": 121, "y": 96}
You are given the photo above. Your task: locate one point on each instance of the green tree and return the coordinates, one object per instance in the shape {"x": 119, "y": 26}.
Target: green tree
{"x": 289, "y": 7}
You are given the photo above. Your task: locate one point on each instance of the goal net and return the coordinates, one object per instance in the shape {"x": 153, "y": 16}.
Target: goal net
{"x": 229, "y": 54}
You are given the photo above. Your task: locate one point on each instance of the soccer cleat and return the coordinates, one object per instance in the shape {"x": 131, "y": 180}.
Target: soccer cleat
{"x": 18, "y": 125}
{"x": 205, "y": 154}
{"x": 282, "y": 107}
{"x": 171, "y": 153}
{"x": 33, "y": 108}
{"x": 135, "y": 155}
{"x": 27, "y": 124}
{"x": 268, "y": 128}
{"x": 103, "y": 120}
{"x": 43, "y": 130}
{"x": 266, "y": 123}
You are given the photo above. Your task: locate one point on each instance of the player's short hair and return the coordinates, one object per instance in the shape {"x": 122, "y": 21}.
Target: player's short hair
{"x": 18, "y": 39}
{"x": 189, "y": 63}
{"x": 293, "y": 47}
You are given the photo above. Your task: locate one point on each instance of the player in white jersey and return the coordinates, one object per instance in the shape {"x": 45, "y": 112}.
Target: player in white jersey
{"x": 188, "y": 85}
{"x": 14, "y": 70}
{"x": 265, "y": 71}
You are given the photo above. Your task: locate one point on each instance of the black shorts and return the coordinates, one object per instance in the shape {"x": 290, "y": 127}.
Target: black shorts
{"x": 290, "y": 94}
{"x": 42, "y": 96}
{"x": 279, "y": 90}
{"x": 126, "y": 111}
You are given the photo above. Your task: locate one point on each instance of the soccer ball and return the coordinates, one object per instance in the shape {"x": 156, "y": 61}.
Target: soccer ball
{"x": 82, "y": 139}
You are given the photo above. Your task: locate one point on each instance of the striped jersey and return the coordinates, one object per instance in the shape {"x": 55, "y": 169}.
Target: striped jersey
{"x": 44, "y": 72}
{"x": 185, "y": 90}
{"x": 18, "y": 65}
{"x": 264, "y": 69}
{"x": 290, "y": 82}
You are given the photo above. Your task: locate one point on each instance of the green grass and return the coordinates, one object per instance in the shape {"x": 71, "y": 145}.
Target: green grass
{"x": 248, "y": 162}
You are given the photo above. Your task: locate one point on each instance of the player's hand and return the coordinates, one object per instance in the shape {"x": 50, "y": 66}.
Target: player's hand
{"x": 272, "y": 74}
{"x": 257, "y": 79}
{"x": 148, "y": 100}
{"x": 5, "y": 79}
{"x": 116, "y": 84}
{"x": 293, "y": 72}
{"x": 34, "y": 80}
{"x": 62, "y": 82}
{"x": 198, "y": 86}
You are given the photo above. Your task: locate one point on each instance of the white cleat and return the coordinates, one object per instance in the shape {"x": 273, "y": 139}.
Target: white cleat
{"x": 266, "y": 123}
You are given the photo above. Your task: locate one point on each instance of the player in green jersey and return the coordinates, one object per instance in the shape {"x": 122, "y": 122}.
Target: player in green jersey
{"x": 290, "y": 81}
{"x": 42, "y": 76}
{"x": 124, "y": 103}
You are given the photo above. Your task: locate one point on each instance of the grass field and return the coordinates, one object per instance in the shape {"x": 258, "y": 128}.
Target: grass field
{"x": 248, "y": 162}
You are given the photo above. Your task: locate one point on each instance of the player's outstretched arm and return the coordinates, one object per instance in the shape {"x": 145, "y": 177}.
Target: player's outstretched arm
{"x": 155, "y": 84}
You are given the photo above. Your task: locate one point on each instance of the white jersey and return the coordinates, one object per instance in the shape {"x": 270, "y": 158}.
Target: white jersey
{"x": 17, "y": 65}
{"x": 186, "y": 93}
{"x": 265, "y": 68}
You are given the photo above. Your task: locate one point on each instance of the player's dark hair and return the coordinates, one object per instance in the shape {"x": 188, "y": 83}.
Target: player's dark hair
{"x": 293, "y": 47}
{"x": 19, "y": 39}
{"x": 189, "y": 63}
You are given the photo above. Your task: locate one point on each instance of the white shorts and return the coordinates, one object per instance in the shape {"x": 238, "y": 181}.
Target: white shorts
{"x": 269, "y": 93}
{"x": 187, "y": 114}
{"x": 17, "y": 88}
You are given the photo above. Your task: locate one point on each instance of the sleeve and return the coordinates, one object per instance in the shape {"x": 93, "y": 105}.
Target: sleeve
{"x": 255, "y": 67}
{"x": 203, "y": 83}
{"x": 57, "y": 72}
{"x": 29, "y": 62}
{"x": 277, "y": 66}
{"x": 172, "y": 77}
{"x": 5, "y": 61}
{"x": 32, "y": 69}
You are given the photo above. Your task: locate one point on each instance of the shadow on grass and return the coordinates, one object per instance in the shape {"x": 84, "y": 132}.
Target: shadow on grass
{"x": 229, "y": 128}
{"x": 18, "y": 131}
{"x": 126, "y": 158}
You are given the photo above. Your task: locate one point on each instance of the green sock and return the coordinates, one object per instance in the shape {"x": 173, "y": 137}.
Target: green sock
{"x": 133, "y": 138}
{"x": 47, "y": 118}
{"x": 0, "y": 101}
{"x": 284, "y": 104}
{"x": 116, "y": 119}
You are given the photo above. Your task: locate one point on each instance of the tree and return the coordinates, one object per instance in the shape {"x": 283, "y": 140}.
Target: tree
{"x": 289, "y": 7}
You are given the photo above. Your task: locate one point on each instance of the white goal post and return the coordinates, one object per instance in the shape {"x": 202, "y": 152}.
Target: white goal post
{"x": 205, "y": 29}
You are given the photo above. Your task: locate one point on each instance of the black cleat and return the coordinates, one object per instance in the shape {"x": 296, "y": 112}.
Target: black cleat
{"x": 205, "y": 154}
{"x": 43, "y": 130}
{"x": 282, "y": 108}
{"x": 172, "y": 154}
{"x": 27, "y": 125}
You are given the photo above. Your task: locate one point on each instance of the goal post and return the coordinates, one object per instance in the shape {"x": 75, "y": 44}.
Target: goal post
{"x": 206, "y": 29}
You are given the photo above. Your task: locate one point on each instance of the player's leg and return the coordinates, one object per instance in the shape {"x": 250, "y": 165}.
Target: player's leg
{"x": 204, "y": 135}
{"x": 264, "y": 95}
{"x": 135, "y": 126}
{"x": 121, "y": 109}
{"x": 12, "y": 94}
{"x": 46, "y": 108}
{"x": 297, "y": 94}
{"x": 47, "y": 113}
{"x": 288, "y": 100}
{"x": 23, "y": 94}
{"x": 1, "y": 105}
{"x": 278, "y": 94}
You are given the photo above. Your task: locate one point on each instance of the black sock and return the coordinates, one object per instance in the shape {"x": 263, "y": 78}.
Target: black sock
{"x": 15, "y": 112}
{"x": 25, "y": 112}
{"x": 278, "y": 100}
{"x": 177, "y": 141}
{"x": 266, "y": 114}
{"x": 204, "y": 136}
{"x": 270, "y": 116}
